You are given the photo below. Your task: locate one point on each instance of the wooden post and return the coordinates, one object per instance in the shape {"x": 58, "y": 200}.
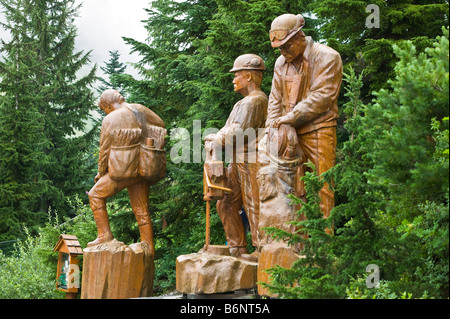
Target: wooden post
{"x": 114, "y": 270}
{"x": 71, "y": 295}
{"x": 210, "y": 192}
{"x": 208, "y": 219}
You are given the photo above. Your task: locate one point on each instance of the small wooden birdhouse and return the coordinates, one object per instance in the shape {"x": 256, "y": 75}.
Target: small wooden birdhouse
{"x": 68, "y": 272}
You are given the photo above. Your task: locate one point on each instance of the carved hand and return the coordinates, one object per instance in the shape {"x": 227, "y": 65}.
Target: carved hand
{"x": 210, "y": 137}
{"x": 289, "y": 118}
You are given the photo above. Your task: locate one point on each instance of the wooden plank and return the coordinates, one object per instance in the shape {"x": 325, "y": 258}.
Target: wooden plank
{"x": 69, "y": 237}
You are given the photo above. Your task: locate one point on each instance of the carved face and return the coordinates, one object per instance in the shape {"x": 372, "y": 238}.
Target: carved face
{"x": 105, "y": 106}
{"x": 241, "y": 81}
{"x": 293, "y": 48}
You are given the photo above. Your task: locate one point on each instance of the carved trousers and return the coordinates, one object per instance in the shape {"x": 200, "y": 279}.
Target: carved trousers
{"x": 241, "y": 178}
{"x": 138, "y": 190}
{"x": 319, "y": 147}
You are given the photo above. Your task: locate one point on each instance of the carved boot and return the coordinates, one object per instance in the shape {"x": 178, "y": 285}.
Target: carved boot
{"x": 253, "y": 257}
{"x": 103, "y": 231}
{"x": 146, "y": 232}
{"x": 237, "y": 251}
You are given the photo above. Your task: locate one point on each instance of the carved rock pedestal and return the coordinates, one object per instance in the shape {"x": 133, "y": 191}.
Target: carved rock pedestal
{"x": 275, "y": 253}
{"x": 114, "y": 270}
{"x": 207, "y": 273}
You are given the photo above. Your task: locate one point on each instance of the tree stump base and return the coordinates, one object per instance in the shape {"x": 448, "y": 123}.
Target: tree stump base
{"x": 275, "y": 253}
{"x": 114, "y": 270}
{"x": 206, "y": 273}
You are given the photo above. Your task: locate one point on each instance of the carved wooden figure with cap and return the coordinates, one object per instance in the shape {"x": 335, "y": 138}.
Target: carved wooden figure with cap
{"x": 301, "y": 126}
{"x": 305, "y": 89}
{"x": 240, "y": 134}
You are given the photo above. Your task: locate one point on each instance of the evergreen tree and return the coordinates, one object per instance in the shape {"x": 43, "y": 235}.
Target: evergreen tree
{"x": 402, "y": 116}
{"x": 395, "y": 211}
{"x": 315, "y": 274}
{"x": 40, "y": 74}
{"x": 112, "y": 67}
{"x": 69, "y": 101}
{"x": 349, "y": 27}
{"x": 21, "y": 130}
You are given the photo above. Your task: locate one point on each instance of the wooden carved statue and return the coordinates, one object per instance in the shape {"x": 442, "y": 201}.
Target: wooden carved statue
{"x": 131, "y": 156}
{"x": 219, "y": 268}
{"x": 300, "y": 127}
{"x": 305, "y": 89}
{"x": 240, "y": 133}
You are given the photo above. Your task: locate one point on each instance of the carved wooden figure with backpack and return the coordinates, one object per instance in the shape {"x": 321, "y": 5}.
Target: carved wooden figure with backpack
{"x": 131, "y": 156}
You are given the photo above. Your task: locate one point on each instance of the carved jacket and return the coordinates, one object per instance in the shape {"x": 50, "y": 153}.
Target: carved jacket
{"x": 248, "y": 115}
{"x": 311, "y": 93}
{"x": 118, "y": 125}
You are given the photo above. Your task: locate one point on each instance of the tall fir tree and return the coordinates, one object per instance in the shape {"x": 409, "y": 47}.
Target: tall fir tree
{"x": 111, "y": 68}
{"x": 60, "y": 99}
{"x": 363, "y": 32}
{"x": 394, "y": 179}
{"x": 22, "y": 136}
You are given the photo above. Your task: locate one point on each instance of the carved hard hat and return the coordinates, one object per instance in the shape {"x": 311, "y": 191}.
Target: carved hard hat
{"x": 285, "y": 27}
{"x": 248, "y": 62}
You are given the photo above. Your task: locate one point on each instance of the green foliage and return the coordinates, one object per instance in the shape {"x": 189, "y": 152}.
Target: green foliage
{"x": 122, "y": 221}
{"x": 404, "y": 115}
{"x": 28, "y": 272}
{"x": 429, "y": 232}
{"x": 357, "y": 289}
{"x": 111, "y": 69}
{"x": 391, "y": 177}
{"x": 182, "y": 236}
{"x": 371, "y": 48}
{"x": 31, "y": 272}
{"x": 44, "y": 106}
{"x": 21, "y": 132}
{"x": 313, "y": 275}
{"x": 194, "y": 44}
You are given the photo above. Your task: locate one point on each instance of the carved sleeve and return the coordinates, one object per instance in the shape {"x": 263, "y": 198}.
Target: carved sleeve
{"x": 247, "y": 113}
{"x": 323, "y": 91}
{"x": 105, "y": 146}
{"x": 275, "y": 106}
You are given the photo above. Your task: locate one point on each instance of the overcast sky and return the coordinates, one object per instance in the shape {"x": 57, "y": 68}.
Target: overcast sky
{"x": 102, "y": 24}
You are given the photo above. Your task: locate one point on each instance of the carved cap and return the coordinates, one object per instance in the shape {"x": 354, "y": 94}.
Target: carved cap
{"x": 112, "y": 96}
{"x": 248, "y": 62}
{"x": 285, "y": 27}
